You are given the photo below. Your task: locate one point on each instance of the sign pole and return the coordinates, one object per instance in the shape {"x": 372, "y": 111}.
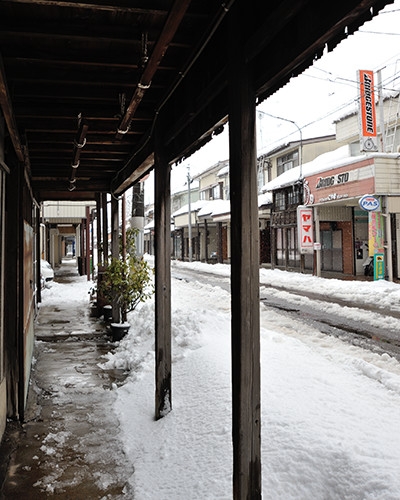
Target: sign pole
{"x": 317, "y": 240}
{"x": 389, "y": 258}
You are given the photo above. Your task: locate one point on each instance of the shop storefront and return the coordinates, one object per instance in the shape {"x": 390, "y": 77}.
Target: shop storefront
{"x": 342, "y": 223}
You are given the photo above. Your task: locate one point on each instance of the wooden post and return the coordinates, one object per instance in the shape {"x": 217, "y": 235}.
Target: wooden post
{"x": 317, "y": 240}
{"x": 123, "y": 227}
{"x": 198, "y": 247}
{"x": 98, "y": 230}
{"x": 37, "y": 251}
{"x": 82, "y": 245}
{"x": 205, "y": 240}
{"x": 220, "y": 249}
{"x": 245, "y": 328}
{"x": 105, "y": 227}
{"x": 163, "y": 397}
{"x": 92, "y": 240}
{"x": 88, "y": 243}
{"x": 116, "y": 315}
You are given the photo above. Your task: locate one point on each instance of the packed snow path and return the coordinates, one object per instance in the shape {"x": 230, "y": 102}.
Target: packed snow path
{"x": 69, "y": 447}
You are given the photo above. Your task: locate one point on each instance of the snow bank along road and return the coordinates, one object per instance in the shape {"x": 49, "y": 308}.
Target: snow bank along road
{"x": 350, "y": 310}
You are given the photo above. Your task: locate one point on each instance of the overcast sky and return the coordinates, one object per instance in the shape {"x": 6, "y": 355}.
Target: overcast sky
{"x": 324, "y": 92}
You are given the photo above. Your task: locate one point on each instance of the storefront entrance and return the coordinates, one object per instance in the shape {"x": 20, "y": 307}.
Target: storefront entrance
{"x": 332, "y": 250}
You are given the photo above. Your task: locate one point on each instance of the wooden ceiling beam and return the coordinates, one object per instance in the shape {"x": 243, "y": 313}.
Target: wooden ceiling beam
{"x": 7, "y": 108}
{"x": 171, "y": 26}
{"x": 55, "y": 148}
{"x": 108, "y": 6}
{"x": 65, "y": 63}
{"x": 100, "y": 139}
{"x": 79, "y": 41}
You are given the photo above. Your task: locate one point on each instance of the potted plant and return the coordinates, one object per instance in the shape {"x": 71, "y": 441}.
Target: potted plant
{"x": 126, "y": 282}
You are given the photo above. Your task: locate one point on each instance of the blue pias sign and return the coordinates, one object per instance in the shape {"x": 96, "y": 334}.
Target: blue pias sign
{"x": 370, "y": 203}
{"x": 379, "y": 266}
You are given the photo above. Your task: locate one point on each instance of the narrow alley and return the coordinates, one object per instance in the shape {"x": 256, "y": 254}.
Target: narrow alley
{"x": 69, "y": 446}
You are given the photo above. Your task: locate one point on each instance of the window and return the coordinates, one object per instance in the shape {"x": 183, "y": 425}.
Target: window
{"x": 280, "y": 248}
{"x": 294, "y": 196}
{"x": 280, "y": 201}
{"x": 216, "y": 192}
{"x": 287, "y": 162}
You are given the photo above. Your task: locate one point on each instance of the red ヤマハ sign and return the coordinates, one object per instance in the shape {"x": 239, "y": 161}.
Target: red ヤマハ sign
{"x": 305, "y": 229}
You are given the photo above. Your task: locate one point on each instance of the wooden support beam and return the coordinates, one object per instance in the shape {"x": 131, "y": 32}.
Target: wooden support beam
{"x": 6, "y": 106}
{"x": 116, "y": 316}
{"x": 220, "y": 256}
{"x": 88, "y": 243}
{"x": 38, "y": 256}
{"x": 163, "y": 397}
{"x": 98, "y": 229}
{"x": 245, "y": 328}
{"x": 171, "y": 26}
{"x": 93, "y": 5}
{"x": 105, "y": 227}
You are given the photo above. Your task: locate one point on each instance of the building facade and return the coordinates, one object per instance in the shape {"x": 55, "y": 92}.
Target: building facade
{"x": 333, "y": 184}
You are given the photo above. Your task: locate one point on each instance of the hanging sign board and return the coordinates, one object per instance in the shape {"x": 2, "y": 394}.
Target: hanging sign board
{"x": 379, "y": 266}
{"x": 367, "y": 118}
{"x": 370, "y": 203}
{"x": 375, "y": 228}
{"x": 305, "y": 230}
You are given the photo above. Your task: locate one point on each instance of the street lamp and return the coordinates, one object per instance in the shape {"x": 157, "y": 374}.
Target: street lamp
{"x": 301, "y": 137}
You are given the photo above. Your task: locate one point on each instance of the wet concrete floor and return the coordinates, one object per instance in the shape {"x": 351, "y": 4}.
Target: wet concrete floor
{"x": 69, "y": 446}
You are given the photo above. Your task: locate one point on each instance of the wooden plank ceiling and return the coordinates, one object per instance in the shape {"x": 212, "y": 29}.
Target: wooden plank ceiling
{"x": 84, "y": 84}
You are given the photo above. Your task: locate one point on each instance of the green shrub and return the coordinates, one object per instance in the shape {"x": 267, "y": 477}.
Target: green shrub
{"x": 127, "y": 282}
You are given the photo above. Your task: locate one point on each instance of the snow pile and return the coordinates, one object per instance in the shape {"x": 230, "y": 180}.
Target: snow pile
{"x": 55, "y": 292}
{"x": 330, "y": 410}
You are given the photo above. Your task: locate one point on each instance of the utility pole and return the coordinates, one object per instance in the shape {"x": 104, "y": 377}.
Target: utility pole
{"x": 381, "y": 115}
{"x": 189, "y": 180}
{"x": 301, "y": 137}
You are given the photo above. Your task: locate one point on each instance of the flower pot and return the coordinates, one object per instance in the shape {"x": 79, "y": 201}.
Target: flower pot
{"x": 107, "y": 312}
{"x": 94, "y": 310}
{"x": 119, "y": 330}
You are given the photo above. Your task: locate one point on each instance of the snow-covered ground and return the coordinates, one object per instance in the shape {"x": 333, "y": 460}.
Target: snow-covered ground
{"x": 330, "y": 410}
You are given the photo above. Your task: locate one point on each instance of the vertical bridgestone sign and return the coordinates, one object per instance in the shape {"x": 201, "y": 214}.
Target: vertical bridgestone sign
{"x": 367, "y": 118}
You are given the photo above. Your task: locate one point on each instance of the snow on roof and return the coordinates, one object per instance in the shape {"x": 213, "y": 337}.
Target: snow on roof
{"x": 150, "y": 226}
{"x": 223, "y": 171}
{"x": 194, "y": 207}
{"x": 264, "y": 199}
{"x": 327, "y": 161}
{"x": 215, "y": 207}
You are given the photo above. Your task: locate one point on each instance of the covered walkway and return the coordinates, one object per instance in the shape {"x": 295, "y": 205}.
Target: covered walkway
{"x": 93, "y": 96}
{"x": 69, "y": 445}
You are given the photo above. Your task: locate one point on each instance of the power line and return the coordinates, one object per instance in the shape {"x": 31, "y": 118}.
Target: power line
{"x": 378, "y": 33}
